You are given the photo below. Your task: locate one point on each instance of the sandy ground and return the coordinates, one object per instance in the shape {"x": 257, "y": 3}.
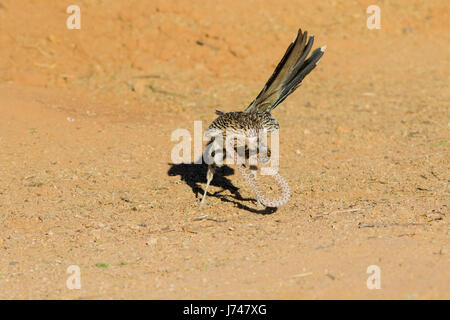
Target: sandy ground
{"x": 86, "y": 176}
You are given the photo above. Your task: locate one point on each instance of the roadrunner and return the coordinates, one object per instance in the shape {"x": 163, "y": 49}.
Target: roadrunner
{"x": 257, "y": 119}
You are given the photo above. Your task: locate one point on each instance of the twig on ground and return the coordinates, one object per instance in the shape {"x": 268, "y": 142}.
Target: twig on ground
{"x": 301, "y": 275}
{"x": 206, "y": 217}
{"x": 319, "y": 215}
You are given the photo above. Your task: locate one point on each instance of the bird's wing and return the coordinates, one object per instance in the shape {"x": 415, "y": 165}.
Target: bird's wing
{"x": 289, "y": 73}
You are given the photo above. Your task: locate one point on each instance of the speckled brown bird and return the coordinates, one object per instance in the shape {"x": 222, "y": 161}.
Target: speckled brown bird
{"x": 257, "y": 117}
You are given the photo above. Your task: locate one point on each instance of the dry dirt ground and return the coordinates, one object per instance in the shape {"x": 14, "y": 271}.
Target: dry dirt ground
{"x": 86, "y": 176}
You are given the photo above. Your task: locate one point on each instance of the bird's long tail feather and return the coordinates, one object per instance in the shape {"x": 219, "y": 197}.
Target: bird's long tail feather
{"x": 288, "y": 75}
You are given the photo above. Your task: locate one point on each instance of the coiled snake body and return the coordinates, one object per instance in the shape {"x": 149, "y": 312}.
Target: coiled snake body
{"x": 253, "y": 182}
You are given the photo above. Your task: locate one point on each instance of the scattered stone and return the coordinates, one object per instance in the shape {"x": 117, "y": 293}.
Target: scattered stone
{"x": 329, "y": 275}
{"x": 407, "y": 30}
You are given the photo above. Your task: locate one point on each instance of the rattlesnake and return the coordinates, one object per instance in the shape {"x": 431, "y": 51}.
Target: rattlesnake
{"x": 253, "y": 182}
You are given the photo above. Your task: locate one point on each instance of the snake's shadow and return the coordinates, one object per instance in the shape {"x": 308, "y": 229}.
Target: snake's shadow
{"x": 194, "y": 174}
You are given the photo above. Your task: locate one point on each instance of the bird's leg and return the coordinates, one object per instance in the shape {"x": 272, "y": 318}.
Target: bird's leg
{"x": 259, "y": 205}
{"x": 209, "y": 177}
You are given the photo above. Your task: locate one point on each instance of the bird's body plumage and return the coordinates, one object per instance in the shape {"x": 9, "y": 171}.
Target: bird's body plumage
{"x": 256, "y": 118}
{"x": 240, "y": 122}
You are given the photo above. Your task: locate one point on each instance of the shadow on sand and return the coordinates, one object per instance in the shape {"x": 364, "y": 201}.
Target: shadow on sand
{"x": 194, "y": 174}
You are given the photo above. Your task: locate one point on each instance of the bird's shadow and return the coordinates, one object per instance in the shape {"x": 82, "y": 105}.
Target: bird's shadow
{"x": 194, "y": 174}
